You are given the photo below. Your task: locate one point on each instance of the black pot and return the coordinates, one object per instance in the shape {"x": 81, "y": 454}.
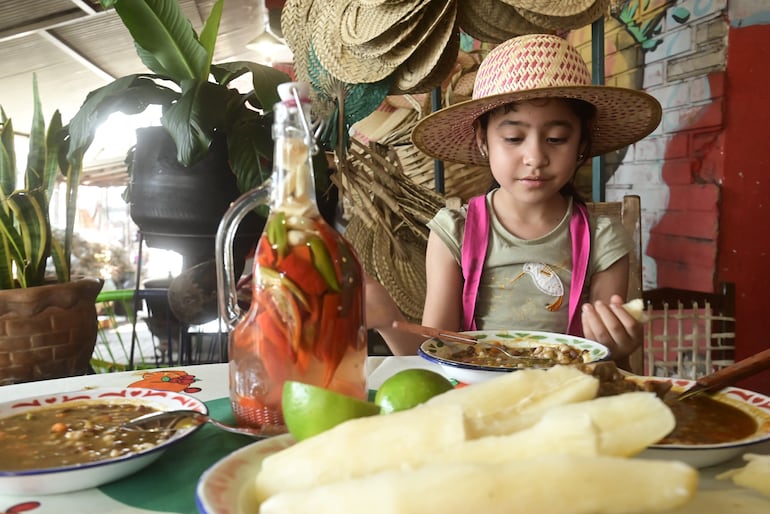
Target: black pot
{"x": 179, "y": 208}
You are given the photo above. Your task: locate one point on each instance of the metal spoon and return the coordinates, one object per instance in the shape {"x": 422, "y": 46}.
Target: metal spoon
{"x": 180, "y": 419}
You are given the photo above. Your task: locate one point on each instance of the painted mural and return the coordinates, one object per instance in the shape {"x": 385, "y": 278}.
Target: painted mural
{"x": 702, "y": 174}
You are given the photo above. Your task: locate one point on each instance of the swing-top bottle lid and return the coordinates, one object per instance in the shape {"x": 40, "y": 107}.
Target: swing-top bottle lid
{"x": 287, "y": 89}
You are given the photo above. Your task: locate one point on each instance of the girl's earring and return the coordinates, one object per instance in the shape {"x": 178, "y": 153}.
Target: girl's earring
{"x": 483, "y": 152}
{"x": 580, "y": 157}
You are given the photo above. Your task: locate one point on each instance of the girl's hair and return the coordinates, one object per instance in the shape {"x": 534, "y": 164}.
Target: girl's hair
{"x": 585, "y": 112}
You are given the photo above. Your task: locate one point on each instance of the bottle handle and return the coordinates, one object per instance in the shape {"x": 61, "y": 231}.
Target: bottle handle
{"x": 227, "y": 295}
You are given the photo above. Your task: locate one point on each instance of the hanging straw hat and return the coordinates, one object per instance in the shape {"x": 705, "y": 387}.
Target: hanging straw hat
{"x": 529, "y": 67}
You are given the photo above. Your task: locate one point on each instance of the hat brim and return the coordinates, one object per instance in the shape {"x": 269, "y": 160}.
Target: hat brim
{"x": 623, "y": 116}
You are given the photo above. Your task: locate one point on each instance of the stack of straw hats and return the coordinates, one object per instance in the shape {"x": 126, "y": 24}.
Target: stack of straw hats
{"x": 413, "y": 43}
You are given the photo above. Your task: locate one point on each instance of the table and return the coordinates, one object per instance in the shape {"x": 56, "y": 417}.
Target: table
{"x": 168, "y": 485}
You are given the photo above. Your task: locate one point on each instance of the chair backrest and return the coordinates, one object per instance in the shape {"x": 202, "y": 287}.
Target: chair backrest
{"x": 688, "y": 333}
{"x": 629, "y": 211}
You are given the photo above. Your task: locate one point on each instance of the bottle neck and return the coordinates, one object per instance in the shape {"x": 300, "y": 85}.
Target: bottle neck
{"x": 293, "y": 185}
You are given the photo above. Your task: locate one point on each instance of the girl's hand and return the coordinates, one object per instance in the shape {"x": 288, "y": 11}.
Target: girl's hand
{"x": 611, "y": 325}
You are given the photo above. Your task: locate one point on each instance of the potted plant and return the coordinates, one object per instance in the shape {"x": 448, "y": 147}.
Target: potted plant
{"x": 48, "y": 322}
{"x": 220, "y": 136}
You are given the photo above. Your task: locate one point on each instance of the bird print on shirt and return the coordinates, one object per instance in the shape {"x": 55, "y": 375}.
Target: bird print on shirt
{"x": 546, "y": 280}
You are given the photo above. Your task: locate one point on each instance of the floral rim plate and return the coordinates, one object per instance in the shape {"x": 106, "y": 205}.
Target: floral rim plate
{"x": 752, "y": 403}
{"x": 93, "y": 474}
{"x": 228, "y": 487}
{"x": 440, "y": 351}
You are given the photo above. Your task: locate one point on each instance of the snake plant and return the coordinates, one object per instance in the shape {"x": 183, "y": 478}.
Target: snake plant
{"x": 26, "y": 240}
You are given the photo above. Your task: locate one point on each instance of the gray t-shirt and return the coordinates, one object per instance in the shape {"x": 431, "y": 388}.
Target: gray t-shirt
{"x": 525, "y": 284}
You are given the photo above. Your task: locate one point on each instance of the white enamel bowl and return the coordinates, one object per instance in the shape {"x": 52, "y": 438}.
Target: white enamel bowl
{"x": 93, "y": 474}
{"x": 754, "y": 404}
{"x": 440, "y": 351}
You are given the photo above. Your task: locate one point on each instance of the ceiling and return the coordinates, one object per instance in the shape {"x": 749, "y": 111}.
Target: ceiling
{"x": 74, "y": 47}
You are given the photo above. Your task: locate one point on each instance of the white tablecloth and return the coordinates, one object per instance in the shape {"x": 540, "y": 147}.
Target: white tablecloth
{"x": 209, "y": 383}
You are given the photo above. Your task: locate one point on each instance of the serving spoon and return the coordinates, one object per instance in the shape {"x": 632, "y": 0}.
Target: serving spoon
{"x": 729, "y": 374}
{"x": 182, "y": 418}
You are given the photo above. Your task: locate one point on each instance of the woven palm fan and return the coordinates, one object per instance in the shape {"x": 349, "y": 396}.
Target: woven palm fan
{"x": 493, "y": 21}
{"x": 553, "y": 7}
{"x": 431, "y": 63}
{"x": 361, "y": 24}
{"x": 563, "y": 20}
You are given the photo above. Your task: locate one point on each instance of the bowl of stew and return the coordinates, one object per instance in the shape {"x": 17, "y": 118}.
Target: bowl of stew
{"x": 711, "y": 428}
{"x": 61, "y": 442}
{"x": 468, "y": 363}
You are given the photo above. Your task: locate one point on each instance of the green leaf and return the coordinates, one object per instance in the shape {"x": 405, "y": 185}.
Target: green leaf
{"x": 264, "y": 80}
{"x": 30, "y": 211}
{"x": 54, "y": 142}
{"x": 209, "y": 33}
{"x": 200, "y": 112}
{"x": 130, "y": 95}
{"x": 7, "y": 159}
{"x": 60, "y": 261}
{"x": 11, "y": 246}
{"x": 250, "y": 157}
{"x": 165, "y": 39}
{"x": 33, "y": 175}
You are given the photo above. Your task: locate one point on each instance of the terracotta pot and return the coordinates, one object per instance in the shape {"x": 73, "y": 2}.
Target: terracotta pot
{"x": 47, "y": 331}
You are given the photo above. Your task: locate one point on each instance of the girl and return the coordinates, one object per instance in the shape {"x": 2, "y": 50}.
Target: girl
{"x": 514, "y": 257}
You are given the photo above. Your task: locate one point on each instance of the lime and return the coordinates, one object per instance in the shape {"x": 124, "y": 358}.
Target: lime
{"x": 408, "y": 388}
{"x": 309, "y": 410}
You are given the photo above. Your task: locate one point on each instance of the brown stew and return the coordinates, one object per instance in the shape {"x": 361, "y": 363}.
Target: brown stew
{"x": 72, "y": 434}
{"x": 701, "y": 419}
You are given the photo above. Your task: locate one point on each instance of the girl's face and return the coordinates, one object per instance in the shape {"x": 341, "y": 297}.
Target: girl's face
{"x": 533, "y": 147}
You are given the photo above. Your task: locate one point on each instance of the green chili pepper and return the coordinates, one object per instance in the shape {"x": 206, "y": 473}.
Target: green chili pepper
{"x": 276, "y": 233}
{"x": 322, "y": 262}
{"x": 273, "y": 277}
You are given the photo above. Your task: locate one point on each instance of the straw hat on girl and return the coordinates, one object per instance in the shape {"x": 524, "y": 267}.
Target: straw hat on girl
{"x": 530, "y": 67}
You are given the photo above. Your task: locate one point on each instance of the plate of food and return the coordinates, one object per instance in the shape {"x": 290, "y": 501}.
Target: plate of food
{"x": 61, "y": 442}
{"x": 228, "y": 486}
{"x": 469, "y": 363}
{"x": 710, "y": 428}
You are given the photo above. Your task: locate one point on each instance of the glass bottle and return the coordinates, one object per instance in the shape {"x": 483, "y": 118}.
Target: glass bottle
{"x": 306, "y": 317}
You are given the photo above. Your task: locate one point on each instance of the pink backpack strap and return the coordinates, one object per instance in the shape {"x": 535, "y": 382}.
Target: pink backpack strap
{"x": 581, "y": 249}
{"x": 474, "y": 252}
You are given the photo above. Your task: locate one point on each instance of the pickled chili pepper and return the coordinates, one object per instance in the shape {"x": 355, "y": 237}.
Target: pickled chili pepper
{"x": 323, "y": 262}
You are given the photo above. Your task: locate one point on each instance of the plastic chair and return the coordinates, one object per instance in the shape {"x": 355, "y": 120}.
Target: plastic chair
{"x": 689, "y": 333}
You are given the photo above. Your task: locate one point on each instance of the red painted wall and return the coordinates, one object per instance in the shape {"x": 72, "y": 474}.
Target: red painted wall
{"x": 744, "y": 229}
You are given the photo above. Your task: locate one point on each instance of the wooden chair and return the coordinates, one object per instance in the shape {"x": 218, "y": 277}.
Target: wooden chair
{"x": 629, "y": 211}
{"x": 689, "y": 334}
